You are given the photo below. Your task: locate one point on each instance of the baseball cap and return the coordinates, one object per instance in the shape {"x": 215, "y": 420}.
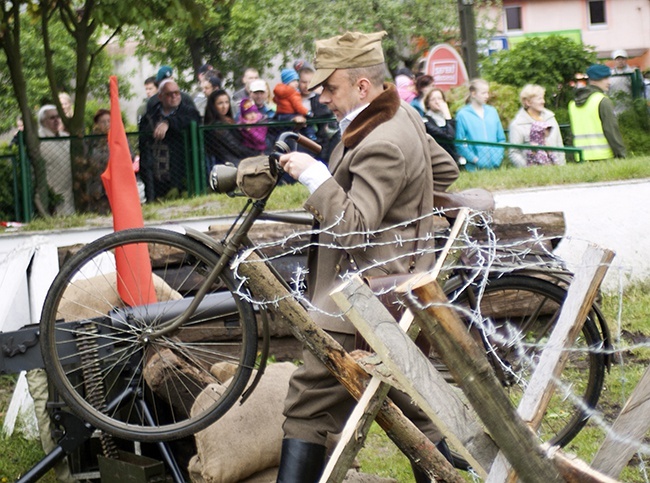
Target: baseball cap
{"x": 163, "y": 73}
{"x": 302, "y": 64}
{"x": 350, "y": 50}
{"x": 257, "y": 85}
{"x": 619, "y": 53}
{"x": 598, "y": 72}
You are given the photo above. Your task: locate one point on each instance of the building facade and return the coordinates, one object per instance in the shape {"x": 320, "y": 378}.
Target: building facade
{"x": 606, "y": 25}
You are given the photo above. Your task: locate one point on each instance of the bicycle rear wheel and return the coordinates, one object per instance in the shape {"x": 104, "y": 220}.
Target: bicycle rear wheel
{"x": 106, "y": 359}
{"x": 519, "y": 313}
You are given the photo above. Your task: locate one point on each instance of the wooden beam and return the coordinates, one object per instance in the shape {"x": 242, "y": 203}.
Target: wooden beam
{"x": 355, "y": 431}
{"x": 627, "y": 433}
{"x": 468, "y": 364}
{"x": 576, "y": 307}
{"x": 416, "y": 375}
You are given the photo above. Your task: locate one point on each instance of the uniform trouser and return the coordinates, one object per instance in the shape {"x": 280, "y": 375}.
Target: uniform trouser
{"x": 318, "y": 405}
{"x": 39, "y": 390}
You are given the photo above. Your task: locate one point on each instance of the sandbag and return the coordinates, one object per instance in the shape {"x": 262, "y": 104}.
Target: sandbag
{"x": 248, "y": 438}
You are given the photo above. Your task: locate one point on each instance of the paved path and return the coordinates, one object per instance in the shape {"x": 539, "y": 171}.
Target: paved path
{"x": 612, "y": 215}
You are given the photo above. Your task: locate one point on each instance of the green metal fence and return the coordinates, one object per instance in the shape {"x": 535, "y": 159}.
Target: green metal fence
{"x": 16, "y": 188}
{"x": 75, "y": 183}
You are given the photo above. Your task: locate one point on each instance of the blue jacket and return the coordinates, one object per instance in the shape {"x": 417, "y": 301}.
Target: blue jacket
{"x": 469, "y": 126}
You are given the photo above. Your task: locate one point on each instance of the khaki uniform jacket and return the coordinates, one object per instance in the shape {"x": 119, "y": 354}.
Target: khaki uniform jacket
{"x": 383, "y": 173}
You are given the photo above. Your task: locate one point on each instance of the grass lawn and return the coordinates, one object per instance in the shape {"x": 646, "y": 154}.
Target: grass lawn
{"x": 291, "y": 197}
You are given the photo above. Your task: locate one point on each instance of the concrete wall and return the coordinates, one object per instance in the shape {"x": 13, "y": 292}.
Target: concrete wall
{"x": 133, "y": 70}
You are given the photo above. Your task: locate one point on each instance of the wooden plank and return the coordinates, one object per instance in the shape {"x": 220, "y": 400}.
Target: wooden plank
{"x": 416, "y": 374}
{"x": 21, "y": 408}
{"x": 356, "y": 429}
{"x": 626, "y": 435}
{"x": 14, "y": 310}
{"x": 473, "y": 373}
{"x": 580, "y": 297}
{"x": 43, "y": 270}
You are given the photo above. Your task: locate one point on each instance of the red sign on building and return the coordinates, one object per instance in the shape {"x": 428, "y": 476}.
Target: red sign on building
{"x": 446, "y": 67}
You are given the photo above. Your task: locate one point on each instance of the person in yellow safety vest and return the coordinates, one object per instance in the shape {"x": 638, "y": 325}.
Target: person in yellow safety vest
{"x": 593, "y": 122}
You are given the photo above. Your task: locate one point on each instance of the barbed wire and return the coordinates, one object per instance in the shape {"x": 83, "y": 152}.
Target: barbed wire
{"x": 483, "y": 258}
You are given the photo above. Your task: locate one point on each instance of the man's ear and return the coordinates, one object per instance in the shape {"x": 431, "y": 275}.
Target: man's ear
{"x": 364, "y": 86}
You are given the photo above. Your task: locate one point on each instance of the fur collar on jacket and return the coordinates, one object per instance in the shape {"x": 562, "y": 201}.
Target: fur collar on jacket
{"x": 382, "y": 109}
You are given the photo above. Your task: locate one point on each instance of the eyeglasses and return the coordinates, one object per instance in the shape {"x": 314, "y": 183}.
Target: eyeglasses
{"x": 173, "y": 93}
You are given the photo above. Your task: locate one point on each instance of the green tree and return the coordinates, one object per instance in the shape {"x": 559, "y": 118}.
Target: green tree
{"x": 90, "y": 26}
{"x": 551, "y": 62}
{"x": 235, "y": 34}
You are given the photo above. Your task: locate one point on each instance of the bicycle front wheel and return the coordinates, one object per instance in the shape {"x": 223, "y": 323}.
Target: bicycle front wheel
{"x": 113, "y": 365}
{"x": 517, "y": 314}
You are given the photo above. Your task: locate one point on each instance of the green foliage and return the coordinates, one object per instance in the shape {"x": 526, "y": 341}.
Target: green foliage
{"x": 634, "y": 124}
{"x": 38, "y": 89}
{"x": 551, "y": 62}
{"x": 236, "y": 34}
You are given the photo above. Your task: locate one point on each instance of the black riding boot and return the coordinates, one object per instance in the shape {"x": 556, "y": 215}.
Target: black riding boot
{"x": 301, "y": 462}
{"x": 421, "y": 476}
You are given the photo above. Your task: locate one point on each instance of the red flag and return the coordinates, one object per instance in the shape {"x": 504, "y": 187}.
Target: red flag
{"x": 134, "y": 276}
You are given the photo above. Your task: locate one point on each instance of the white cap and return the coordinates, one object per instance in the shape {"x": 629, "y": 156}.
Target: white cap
{"x": 257, "y": 85}
{"x": 619, "y": 53}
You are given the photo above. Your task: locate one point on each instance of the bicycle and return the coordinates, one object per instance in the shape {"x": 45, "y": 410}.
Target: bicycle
{"x": 168, "y": 369}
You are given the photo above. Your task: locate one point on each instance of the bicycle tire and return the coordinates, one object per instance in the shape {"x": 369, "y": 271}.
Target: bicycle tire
{"x": 531, "y": 306}
{"x": 86, "y": 327}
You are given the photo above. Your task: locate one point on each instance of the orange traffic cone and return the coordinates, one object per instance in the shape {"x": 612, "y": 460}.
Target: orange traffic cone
{"x": 134, "y": 276}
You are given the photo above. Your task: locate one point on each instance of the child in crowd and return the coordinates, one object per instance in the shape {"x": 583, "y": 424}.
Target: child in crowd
{"x": 405, "y": 88}
{"x": 252, "y": 137}
{"x": 539, "y": 131}
{"x": 287, "y": 98}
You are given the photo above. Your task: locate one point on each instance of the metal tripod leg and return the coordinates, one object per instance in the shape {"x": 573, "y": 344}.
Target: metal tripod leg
{"x": 77, "y": 432}
{"x": 163, "y": 447}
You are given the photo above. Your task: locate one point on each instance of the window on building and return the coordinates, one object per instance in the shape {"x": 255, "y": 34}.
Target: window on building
{"x": 513, "y": 18}
{"x": 597, "y": 12}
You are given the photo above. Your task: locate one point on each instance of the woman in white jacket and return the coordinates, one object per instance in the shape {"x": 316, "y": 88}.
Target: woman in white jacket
{"x": 531, "y": 112}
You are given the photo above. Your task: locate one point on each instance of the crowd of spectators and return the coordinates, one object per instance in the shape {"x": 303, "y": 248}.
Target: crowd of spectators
{"x": 242, "y": 125}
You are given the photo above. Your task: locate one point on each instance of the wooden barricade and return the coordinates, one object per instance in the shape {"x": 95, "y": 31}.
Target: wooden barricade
{"x": 580, "y": 297}
{"x": 628, "y": 431}
{"x": 403, "y": 432}
{"x": 471, "y": 370}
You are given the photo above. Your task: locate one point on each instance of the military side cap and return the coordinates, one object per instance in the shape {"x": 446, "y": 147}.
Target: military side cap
{"x": 347, "y": 51}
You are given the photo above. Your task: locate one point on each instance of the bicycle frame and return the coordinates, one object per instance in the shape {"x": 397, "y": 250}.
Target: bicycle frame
{"x": 228, "y": 249}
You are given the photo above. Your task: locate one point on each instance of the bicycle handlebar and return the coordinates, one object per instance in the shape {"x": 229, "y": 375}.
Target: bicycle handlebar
{"x": 223, "y": 178}
{"x": 282, "y": 146}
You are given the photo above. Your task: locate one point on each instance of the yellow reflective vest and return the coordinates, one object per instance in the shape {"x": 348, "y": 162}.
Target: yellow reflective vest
{"x": 588, "y": 129}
